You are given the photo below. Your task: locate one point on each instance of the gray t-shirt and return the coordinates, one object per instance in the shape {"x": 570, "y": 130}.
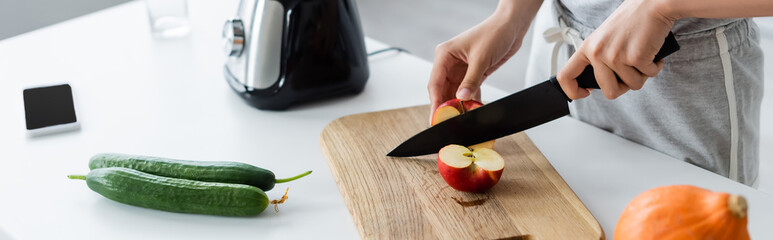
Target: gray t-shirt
{"x": 593, "y": 12}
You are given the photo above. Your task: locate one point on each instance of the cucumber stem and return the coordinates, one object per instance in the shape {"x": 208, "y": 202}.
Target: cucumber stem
{"x": 81, "y": 177}
{"x": 280, "y": 201}
{"x": 284, "y": 180}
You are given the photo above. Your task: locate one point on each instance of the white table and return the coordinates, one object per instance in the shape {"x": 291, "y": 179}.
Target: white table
{"x": 137, "y": 94}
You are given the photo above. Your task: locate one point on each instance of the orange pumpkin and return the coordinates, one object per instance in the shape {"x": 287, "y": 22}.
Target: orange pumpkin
{"x": 683, "y": 212}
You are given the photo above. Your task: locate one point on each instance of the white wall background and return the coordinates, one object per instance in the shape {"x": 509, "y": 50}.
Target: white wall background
{"x": 20, "y": 16}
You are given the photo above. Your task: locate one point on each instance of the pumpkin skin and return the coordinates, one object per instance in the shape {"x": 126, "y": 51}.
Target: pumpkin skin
{"x": 683, "y": 212}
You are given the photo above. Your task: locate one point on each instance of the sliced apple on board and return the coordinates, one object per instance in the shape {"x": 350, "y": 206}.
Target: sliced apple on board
{"x": 453, "y": 108}
{"x": 470, "y": 169}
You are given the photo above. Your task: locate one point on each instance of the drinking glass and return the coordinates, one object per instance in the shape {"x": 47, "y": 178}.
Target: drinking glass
{"x": 168, "y": 18}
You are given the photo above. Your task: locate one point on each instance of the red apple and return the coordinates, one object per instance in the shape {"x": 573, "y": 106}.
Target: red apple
{"x": 454, "y": 107}
{"x": 470, "y": 170}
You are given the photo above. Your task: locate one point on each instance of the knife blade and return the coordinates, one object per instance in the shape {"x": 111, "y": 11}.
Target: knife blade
{"x": 519, "y": 111}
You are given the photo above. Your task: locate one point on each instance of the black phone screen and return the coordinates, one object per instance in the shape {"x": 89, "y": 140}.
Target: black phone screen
{"x": 48, "y": 106}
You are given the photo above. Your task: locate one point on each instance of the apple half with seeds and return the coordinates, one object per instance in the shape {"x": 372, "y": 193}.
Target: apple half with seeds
{"x": 470, "y": 169}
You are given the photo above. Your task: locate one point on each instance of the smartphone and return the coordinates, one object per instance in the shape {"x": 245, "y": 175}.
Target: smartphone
{"x": 50, "y": 109}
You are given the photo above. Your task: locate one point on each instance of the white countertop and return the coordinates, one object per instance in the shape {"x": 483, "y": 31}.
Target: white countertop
{"x": 137, "y": 94}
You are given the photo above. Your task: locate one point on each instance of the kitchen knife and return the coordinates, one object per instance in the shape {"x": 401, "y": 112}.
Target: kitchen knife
{"x": 519, "y": 111}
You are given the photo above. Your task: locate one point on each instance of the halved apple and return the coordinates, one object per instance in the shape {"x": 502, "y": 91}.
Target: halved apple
{"x": 468, "y": 169}
{"x": 453, "y": 108}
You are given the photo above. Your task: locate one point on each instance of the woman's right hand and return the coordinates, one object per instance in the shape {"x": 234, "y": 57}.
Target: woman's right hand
{"x": 462, "y": 63}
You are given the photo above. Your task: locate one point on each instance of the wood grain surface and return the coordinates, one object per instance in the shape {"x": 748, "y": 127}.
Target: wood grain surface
{"x": 406, "y": 198}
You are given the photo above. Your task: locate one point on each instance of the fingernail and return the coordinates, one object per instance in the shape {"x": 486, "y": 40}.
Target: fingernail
{"x": 463, "y": 94}
{"x": 584, "y": 93}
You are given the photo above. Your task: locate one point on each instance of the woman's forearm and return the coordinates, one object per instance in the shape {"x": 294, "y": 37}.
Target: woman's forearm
{"x": 676, "y": 9}
{"x": 518, "y": 12}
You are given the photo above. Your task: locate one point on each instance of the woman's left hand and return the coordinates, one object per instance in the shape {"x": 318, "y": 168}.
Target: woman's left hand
{"x": 625, "y": 44}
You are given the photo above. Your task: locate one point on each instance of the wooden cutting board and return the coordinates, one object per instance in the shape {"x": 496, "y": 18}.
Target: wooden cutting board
{"x": 406, "y": 198}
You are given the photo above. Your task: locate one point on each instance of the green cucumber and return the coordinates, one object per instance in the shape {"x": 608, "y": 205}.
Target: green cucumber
{"x": 224, "y": 172}
{"x": 141, "y": 189}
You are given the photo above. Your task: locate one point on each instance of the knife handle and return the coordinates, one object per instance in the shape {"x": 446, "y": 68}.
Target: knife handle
{"x": 588, "y": 80}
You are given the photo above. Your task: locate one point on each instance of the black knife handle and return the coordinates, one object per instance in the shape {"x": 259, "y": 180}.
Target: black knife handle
{"x": 588, "y": 80}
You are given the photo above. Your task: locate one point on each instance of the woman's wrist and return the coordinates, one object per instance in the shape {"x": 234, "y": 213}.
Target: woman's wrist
{"x": 668, "y": 9}
{"x": 677, "y": 9}
{"x": 507, "y": 8}
{"x": 517, "y": 13}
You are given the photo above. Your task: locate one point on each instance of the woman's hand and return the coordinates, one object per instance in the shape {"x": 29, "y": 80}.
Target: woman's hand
{"x": 625, "y": 44}
{"x": 462, "y": 63}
